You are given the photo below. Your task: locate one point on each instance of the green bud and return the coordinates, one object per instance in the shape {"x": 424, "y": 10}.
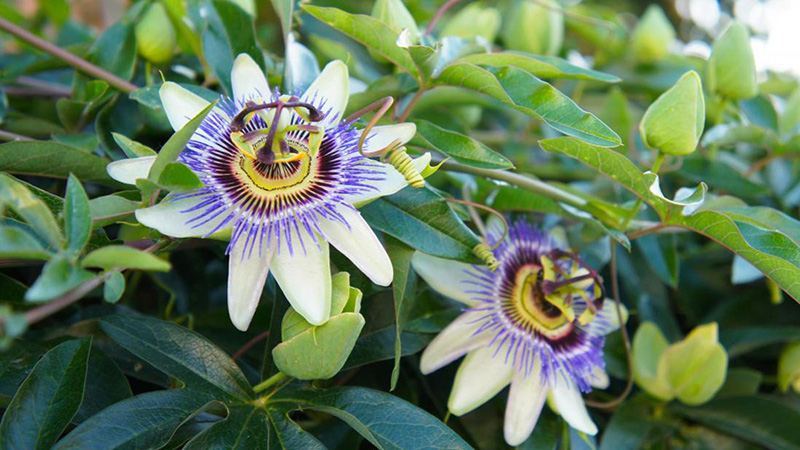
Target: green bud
{"x": 475, "y": 19}
{"x": 319, "y": 352}
{"x": 648, "y": 346}
{"x": 674, "y": 123}
{"x": 395, "y": 14}
{"x": 695, "y": 368}
{"x": 731, "y": 67}
{"x": 789, "y": 368}
{"x": 653, "y": 36}
{"x": 534, "y": 28}
{"x": 155, "y": 35}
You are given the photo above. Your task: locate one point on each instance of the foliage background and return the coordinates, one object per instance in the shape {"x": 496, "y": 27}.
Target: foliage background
{"x": 677, "y": 280}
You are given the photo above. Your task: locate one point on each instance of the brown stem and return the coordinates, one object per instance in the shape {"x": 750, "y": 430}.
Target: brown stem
{"x": 644, "y": 232}
{"x": 625, "y": 338}
{"x": 53, "y": 89}
{"x": 411, "y": 104}
{"x": 77, "y": 62}
{"x": 9, "y": 136}
{"x": 249, "y": 345}
{"x": 438, "y": 15}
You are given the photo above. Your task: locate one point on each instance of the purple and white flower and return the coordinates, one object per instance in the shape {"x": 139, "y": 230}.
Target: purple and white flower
{"x": 537, "y": 323}
{"x": 281, "y": 176}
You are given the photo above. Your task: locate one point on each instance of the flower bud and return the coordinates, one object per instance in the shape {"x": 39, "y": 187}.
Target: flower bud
{"x": 653, "y": 36}
{"x": 731, "y": 67}
{"x": 674, "y": 123}
{"x": 394, "y": 14}
{"x": 155, "y": 35}
{"x": 789, "y": 368}
{"x": 534, "y": 28}
{"x": 475, "y": 19}
{"x": 319, "y": 352}
{"x": 695, "y": 368}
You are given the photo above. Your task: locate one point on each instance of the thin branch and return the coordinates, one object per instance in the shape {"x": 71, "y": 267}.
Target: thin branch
{"x": 625, "y": 338}
{"x": 411, "y": 104}
{"x": 9, "y": 136}
{"x": 439, "y": 14}
{"x": 77, "y": 62}
{"x": 516, "y": 179}
{"x": 249, "y": 345}
{"x": 53, "y": 89}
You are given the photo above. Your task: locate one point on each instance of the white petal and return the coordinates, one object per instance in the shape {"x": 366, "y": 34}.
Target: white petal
{"x": 330, "y": 87}
{"x": 169, "y": 218}
{"x": 381, "y": 136}
{"x": 180, "y": 105}
{"x": 525, "y": 402}
{"x": 570, "y": 405}
{"x": 600, "y": 378}
{"x": 305, "y": 278}
{"x": 248, "y": 79}
{"x": 246, "y": 276}
{"x": 607, "y": 319}
{"x": 393, "y": 181}
{"x": 445, "y": 276}
{"x": 454, "y": 341}
{"x": 480, "y": 377}
{"x": 129, "y": 170}
{"x": 360, "y": 245}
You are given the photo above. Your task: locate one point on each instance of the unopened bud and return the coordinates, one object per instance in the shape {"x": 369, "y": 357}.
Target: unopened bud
{"x": 732, "y": 67}
{"x": 534, "y": 28}
{"x": 652, "y": 36}
{"x": 674, "y": 123}
{"x": 155, "y": 35}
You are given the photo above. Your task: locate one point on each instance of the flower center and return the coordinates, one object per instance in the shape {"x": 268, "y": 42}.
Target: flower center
{"x": 532, "y": 308}
{"x": 275, "y": 176}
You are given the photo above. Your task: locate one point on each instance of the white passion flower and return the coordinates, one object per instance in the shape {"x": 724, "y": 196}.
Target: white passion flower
{"x": 281, "y": 175}
{"x": 537, "y": 323}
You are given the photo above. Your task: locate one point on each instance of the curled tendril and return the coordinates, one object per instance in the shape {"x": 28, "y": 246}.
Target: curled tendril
{"x": 395, "y": 153}
{"x": 482, "y": 250}
{"x": 485, "y": 254}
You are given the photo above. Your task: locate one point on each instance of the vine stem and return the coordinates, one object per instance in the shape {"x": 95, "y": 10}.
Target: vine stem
{"x": 411, "y": 104}
{"x": 638, "y": 204}
{"x": 9, "y": 136}
{"x": 75, "y": 61}
{"x": 516, "y": 179}
{"x": 249, "y": 345}
{"x": 42, "y": 312}
{"x": 625, "y": 338}
{"x": 269, "y": 382}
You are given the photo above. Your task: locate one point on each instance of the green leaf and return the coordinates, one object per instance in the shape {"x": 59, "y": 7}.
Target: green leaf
{"x": 370, "y": 32}
{"x": 15, "y": 195}
{"x": 178, "y": 177}
{"x": 229, "y": 33}
{"x": 460, "y": 147}
{"x": 424, "y": 221}
{"x": 110, "y": 209}
{"x": 539, "y": 66}
{"x": 77, "y": 216}
{"x": 742, "y": 340}
{"x": 629, "y": 425}
{"x": 132, "y": 148}
{"x": 114, "y": 287}
{"x": 374, "y": 414}
{"x": 757, "y": 419}
{"x": 105, "y": 385}
{"x": 115, "y": 49}
{"x": 181, "y": 353}
{"x": 174, "y": 146}
{"x": 36, "y": 158}
{"x": 121, "y": 256}
{"x": 285, "y": 10}
{"x": 145, "y": 421}
{"x": 58, "y": 277}
{"x": 403, "y": 288}
{"x": 16, "y": 243}
{"x": 532, "y": 96}
{"x": 48, "y": 399}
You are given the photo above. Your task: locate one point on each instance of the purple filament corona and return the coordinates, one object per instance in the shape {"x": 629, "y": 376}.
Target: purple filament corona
{"x": 573, "y": 354}
{"x": 258, "y": 212}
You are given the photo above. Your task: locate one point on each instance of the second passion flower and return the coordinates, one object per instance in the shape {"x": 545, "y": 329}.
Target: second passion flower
{"x": 281, "y": 175}
{"x": 537, "y": 323}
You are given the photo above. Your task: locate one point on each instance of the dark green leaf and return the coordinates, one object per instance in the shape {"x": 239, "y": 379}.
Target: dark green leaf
{"x": 758, "y": 419}
{"x": 48, "y": 399}
{"x": 738, "y": 341}
{"x": 530, "y": 95}
{"x": 373, "y": 414}
{"x": 175, "y": 144}
{"x": 15, "y": 195}
{"x": 115, "y": 49}
{"x": 370, "y": 32}
{"x": 284, "y": 9}
{"x": 77, "y": 216}
{"x": 629, "y": 425}
{"x": 110, "y": 209}
{"x": 460, "y": 147}
{"x": 181, "y": 353}
{"x": 424, "y": 221}
{"x": 121, "y": 256}
{"x": 36, "y": 158}
{"x": 403, "y": 288}
{"x": 114, "y": 287}
{"x": 16, "y": 243}
{"x": 132, "y": 148}
{"x": 178, "y": 177}
{"x": 105, "y": 385}
{"x": 145, "y": 421}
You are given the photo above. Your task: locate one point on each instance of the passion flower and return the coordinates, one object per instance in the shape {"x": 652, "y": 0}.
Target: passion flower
{"x": 280, "y": 176}
{"x": 537, "y": 323}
